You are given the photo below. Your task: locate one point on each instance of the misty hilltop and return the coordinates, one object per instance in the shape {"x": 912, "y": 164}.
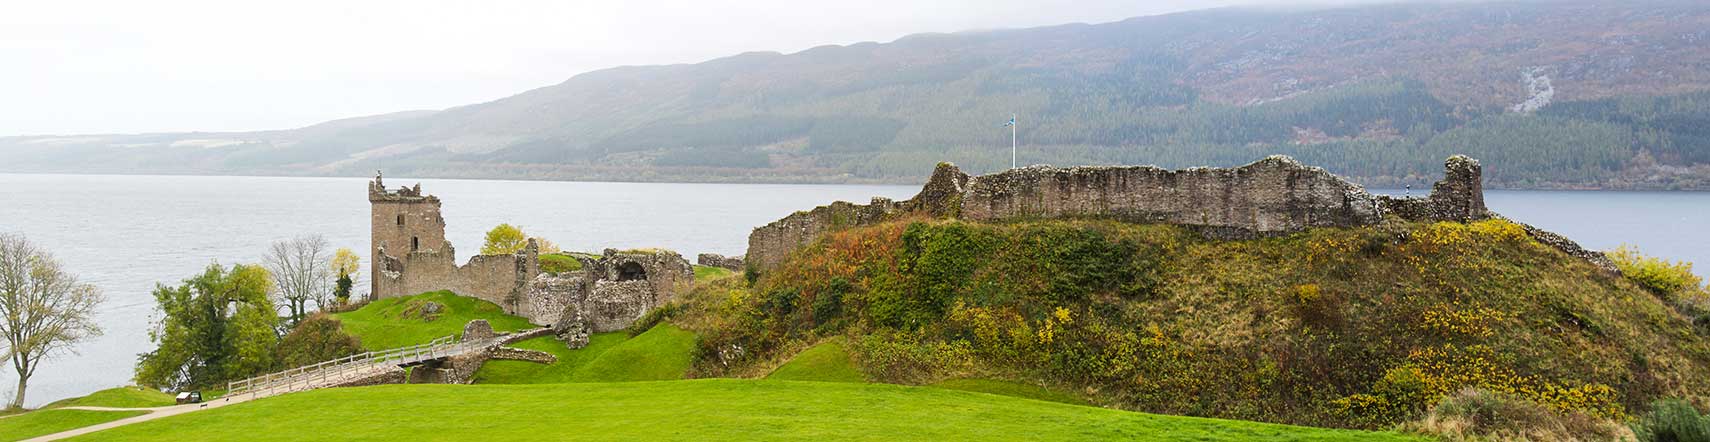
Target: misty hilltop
{"x": 1549, "y": 94}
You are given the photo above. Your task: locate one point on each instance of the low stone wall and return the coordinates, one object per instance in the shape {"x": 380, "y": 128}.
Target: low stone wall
{"x": 500, "y": 279}
{"x": 392, "y": 375}
{"x": 720, "y": 261}
{"x": 518, "y": 354}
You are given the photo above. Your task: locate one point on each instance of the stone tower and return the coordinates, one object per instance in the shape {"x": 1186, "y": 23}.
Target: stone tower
{"x": 403, "y": 223}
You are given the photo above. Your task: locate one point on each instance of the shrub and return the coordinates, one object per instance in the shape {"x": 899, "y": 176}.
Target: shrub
{"x": 318, "y": 338}
{"x": 1669, "y": 279}
{"x": 1476, "y": 414}
{"x": 1673, "y": 420}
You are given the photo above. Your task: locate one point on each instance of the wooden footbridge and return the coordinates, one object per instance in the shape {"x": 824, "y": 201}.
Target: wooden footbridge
{"x": 357, "y": 367}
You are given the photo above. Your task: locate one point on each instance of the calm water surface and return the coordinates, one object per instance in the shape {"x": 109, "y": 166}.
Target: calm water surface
{"x": 126, "y": 233}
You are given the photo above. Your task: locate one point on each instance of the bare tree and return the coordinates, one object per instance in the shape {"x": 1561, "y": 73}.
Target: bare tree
{"x": 300, "y": 274}
{"x": 44, "y": 311}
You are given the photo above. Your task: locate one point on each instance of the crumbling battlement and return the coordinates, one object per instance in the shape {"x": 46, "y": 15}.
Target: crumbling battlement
{"x": 1275, "y": 195}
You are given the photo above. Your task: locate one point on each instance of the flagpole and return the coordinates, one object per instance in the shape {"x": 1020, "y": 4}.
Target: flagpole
{"x": 1012, "y": 125}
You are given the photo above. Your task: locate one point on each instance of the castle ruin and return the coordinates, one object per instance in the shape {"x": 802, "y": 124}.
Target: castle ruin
{"x": 411, "y": 256}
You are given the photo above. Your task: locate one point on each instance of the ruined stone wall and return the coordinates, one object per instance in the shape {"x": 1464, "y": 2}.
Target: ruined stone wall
{"x": 770, "y": 244}
{"x": 500, "y": 279}
{"x": 1271, "y": 196}
{"x": 665, "y": 271}
{"x": 720, "y": 261}
{"x": 549, "y": 294}
{"x": 614, "y": 305}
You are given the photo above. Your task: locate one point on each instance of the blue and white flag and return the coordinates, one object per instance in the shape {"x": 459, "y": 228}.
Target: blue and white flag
{"x": 1010, "y": 123}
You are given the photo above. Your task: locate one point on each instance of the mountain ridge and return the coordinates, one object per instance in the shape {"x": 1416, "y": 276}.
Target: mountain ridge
{"x": 1216, "y": 87}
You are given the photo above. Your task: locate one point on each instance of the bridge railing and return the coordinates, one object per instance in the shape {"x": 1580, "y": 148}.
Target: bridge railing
{"x": 320, "y": 374}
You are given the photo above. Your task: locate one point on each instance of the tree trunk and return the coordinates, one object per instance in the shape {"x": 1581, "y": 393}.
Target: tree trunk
{"x": 18, "y": 402}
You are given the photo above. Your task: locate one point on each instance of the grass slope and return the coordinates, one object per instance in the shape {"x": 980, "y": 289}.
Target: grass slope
{"x": 710, "y": 409}
{"x": 522, "y": 372}
{"x": 121, "y": 397}
{"x": 1007, "y": 388}
{"x": 393, "y": 322}
{"x": 703, "y": 273}
{"x": 661, "y": 353}
{"x": 827, "y": 362}
{"x": 37, "y": 423}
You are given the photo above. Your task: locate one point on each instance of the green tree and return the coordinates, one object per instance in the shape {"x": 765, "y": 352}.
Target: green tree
{"x": 218, "y": 326}
{"x": 503, "y": 240}
{"x": 345, "y": 264}
{"x": 43, "y": 309}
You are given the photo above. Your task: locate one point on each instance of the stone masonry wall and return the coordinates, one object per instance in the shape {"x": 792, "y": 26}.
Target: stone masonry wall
{"x": 614, "y": 305}
{"x": 720, "y": 261}
{"x": 665, "y": 271}
{"x": 1273, "y": 195}
{"x": 768, "y": 245}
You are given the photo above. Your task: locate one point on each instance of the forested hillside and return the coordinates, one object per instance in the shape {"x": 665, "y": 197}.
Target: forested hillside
{"x": 1547, "y": 94}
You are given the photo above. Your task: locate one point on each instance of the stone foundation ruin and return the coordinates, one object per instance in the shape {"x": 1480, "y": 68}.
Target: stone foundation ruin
{"x": 411, "y": 256}
{"x": 1275, "y": 195}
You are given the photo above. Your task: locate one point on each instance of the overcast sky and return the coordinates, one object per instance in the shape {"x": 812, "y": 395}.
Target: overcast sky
{"x": 121, "y": 66}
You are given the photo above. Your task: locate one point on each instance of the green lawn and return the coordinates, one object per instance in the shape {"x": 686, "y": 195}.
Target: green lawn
{"x": 704, "y": 273}
{"x": 706, "y": 409}
{"x": 37, "y": 423}
{"x": 390, "y": 323}
{"x": 122, "y": 397}
{"x": 824, "y": 362}
{"x": 1007, "y": 388}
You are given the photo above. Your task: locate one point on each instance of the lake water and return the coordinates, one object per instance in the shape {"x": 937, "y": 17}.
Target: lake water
{"x": 126, "y": 233}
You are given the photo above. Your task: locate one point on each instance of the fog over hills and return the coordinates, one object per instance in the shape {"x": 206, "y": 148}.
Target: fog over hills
{"x": 1548, "y": 94}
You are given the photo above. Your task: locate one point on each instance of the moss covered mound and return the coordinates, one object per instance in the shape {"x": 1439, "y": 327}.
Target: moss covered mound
{"x": 1360, "y": 327}
{"x": 418, "y": 319}
{"x": 826, "y": 362}
{"x": 710, "y": 409}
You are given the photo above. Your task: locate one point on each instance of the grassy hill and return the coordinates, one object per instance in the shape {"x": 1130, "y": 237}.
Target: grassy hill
{"x": 404, "y": 321}
{"x": 1363, "y": 327}
{"x": 715, "y": 409}
{"x": 121, "y": 397}
{"x": 1548, "y": 94}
